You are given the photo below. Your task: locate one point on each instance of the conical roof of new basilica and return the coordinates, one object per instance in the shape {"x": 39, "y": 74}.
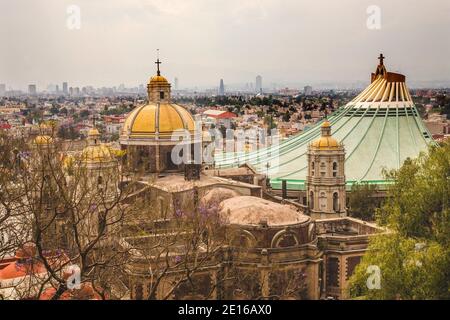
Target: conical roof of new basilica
{"x": 379, "y": 129}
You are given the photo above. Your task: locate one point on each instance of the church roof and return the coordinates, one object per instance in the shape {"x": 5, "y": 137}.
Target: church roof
{"x": 379, "y": 129}
{"x": 157, "y": 119}
{"x": 247, "y": 210}
{"x": 96, "y": 153}
{"x": 326, "y": 141}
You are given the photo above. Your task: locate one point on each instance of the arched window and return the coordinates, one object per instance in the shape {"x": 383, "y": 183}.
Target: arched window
{"x": 311, "y": 200}
{"x": 335, "y": 168}
{"x": 322, "y": 169}
{"x": 312, "y": 168}
{"x": 288, "y": 240}
{"x": 243, "y": 239}
{"x": 336, "y": 202}
{"x": 323, "y": 201}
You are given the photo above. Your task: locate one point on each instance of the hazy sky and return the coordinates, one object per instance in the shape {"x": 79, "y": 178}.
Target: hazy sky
{"x": 201, "y": 41}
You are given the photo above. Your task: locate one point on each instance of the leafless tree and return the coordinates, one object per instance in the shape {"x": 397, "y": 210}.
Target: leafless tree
{"x": 72, "y": 213}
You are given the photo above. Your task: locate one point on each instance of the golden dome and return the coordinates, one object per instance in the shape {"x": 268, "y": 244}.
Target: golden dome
{"x": 158, "y": 79}
{"x": 157, "y": 120}
{"x": 325, "y": 143}
{"x": 43, "y": 140}
{"x": 96, "y": 153}
{"x": 160, "y": 120}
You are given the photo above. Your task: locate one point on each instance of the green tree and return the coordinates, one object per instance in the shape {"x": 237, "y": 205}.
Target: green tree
{"x": 84, "y": 114}
{"x": 414, "y": 256}
{"x": 408, "y": 269}
{"x": 363, "y": 201}
{"x": 63, "y": 110}
{"x": 54, "y": 110}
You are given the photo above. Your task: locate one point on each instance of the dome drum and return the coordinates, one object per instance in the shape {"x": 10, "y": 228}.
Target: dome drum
{"x": 150, "y": 158}
{"x": 253, "y": 222}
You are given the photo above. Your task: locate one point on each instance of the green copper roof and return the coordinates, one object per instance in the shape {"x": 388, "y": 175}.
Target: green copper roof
{"x": 377, "y": 135}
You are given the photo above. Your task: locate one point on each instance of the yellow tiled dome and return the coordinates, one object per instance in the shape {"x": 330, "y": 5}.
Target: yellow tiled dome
{"x": 148, "y": 120}
{"x": 158, "y": 79}
{"x": 96, "y": 153}
{"x": 326, "y": 124}
{"x": 325, "y": 143}
{"x": 158, "y": 119}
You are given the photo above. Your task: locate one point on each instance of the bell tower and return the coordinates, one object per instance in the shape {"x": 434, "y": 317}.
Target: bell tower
{"x": 325, "y": 181}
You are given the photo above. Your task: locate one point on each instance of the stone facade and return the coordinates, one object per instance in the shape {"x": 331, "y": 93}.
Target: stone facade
{"x": 272, "y": 259}
{"x": 325, "y": 185}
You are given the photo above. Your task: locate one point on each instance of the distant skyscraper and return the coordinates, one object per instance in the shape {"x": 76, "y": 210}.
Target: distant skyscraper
{"x": 307, "y": 90}
{"x": 32, "y": 89}
{"x": 258, "y": 85}
{"x": 2, "y": 89}
{"x": 57, "y": 89}
{"x": 176, "y": 83}
{"x": 65, "y": 88}
{"x": 221, "y": 88}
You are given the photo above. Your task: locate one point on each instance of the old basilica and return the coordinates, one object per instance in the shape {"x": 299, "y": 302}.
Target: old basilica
{"x": 279, "y": 249}
{"x": 250, "y": 243}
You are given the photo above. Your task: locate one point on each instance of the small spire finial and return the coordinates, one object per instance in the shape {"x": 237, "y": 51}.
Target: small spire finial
{"x": 381, "y": 58}
{"x": 157, "y": 62}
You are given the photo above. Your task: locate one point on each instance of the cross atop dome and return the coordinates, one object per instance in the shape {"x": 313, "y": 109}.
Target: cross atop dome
{"x": 381, "y": 69}
{"x": 381, "y": 58}
{"x": 158, "y": 63}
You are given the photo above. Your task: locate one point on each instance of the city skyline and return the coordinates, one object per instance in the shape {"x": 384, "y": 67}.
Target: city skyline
{"x": 235, "y": 41}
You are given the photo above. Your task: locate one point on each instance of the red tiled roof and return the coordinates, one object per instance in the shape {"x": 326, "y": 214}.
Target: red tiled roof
{"x": 86, "y": 292}
{"x": 18, "y": 270}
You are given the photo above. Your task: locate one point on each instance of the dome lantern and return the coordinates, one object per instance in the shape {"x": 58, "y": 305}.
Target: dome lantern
{"x": 158, "y": 88}
{"x": 157, "y": 120}
{"x": 326, "y": 141}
